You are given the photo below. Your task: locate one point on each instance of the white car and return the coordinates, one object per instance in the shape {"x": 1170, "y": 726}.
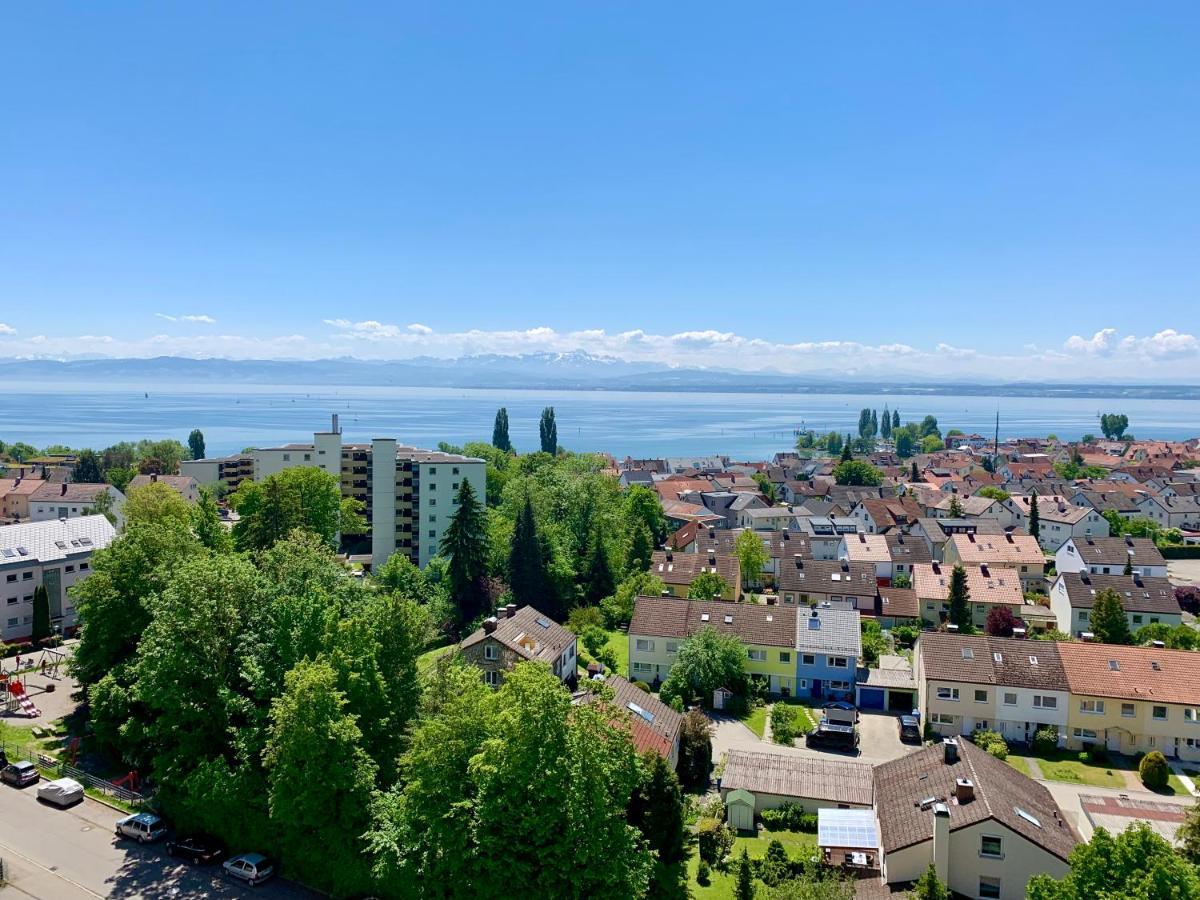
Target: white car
{"x": 252, "y": 868}
{"x": 61, "y": 792}
{"x": 142, "y": 827}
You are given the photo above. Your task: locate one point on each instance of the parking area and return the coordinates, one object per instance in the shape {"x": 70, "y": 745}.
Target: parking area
{"x": 1183, "y": 571}
{"x": 879, "y": 739}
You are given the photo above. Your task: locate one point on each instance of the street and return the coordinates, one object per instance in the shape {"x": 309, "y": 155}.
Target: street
{"x": 73, "y": 854}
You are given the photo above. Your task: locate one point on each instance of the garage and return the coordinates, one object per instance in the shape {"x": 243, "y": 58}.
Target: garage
{"x": 901, "y": 701}
{"x": 871, "y": 698}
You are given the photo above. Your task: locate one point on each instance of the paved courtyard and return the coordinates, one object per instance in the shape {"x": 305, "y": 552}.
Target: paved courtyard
{"x": 1183, "y": 571}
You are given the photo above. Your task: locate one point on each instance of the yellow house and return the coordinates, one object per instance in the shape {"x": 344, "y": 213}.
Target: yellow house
{"x": 678, "y": 570}
{"x": 661, "y": 624}
{"x": 987, "y": 587}
{"x": 1133, "y": 699}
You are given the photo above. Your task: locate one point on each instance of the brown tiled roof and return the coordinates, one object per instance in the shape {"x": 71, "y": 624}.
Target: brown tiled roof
{"x": 907, "y": 548}
{"x": 986, "y": 584}
{"x": 792, "y": 775}
{"x": 671, "y": 617}
{"x": 981, "y": 659}
{"x": 76, "y": 492}
{"x": 1132, "y": 673}
{"x": 995, "y": 550}
{"x": 655, "y": 727}
{"x": 900, "y": 603}
{"x": 861, "y": 547}
{"x": 180, "y": 483}
{"x": 549, "y": 638}
{"x": 817, "y": 575}
{"x": 1138, "y": 593}
{"x": 682, "y": 568}
{"x": 903, "y": 785}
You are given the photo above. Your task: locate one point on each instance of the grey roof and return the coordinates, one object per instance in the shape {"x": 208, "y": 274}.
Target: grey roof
{"x": 1138, "y": 593}
{"x": 53, "y": 540}
{"x": 527, "y": 633}
{"x": 828, "y": 630}
{"x": 893, "y": 672}
{"x": 793, "y": 775}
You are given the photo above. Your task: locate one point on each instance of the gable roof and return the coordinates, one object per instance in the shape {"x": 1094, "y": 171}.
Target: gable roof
{"x": 54, "y": 539}
{"x": 1138, "y": 593}
{"x": 825, "y": 629}
{"x": 672, "y": 617}
{"x": 826, "y": 576}
{"x": 653, "y": 724}
{"x": 792, "y": 775}
{"x": 1009, "y": 548}
{"x": 72, "y": 492}
{"x": 986, "y": 584}
{"x": 1132, "y": 673}
{"x": 682, "y": 568}
{"x": 528, "y": 633}
{"x": 862, "y": 547}
{"x": 981, "y": 659}
{"x": 907, "y": 549}
{"x": 899, "y": 603}
{"x": 1001, "y": 793}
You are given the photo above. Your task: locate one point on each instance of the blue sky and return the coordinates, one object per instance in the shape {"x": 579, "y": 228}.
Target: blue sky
{"x": 930, "y": 186}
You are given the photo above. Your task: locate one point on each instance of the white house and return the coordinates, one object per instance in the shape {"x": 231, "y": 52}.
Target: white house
{"x": 70, "y": 501}
{"x": 1147, "y": 600}
{"x": 1110, "y": 556}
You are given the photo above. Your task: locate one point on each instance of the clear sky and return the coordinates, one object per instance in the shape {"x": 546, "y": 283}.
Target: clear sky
{"x": 935, "y": 186}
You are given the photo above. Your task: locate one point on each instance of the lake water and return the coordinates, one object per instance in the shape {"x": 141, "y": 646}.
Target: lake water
{"x": 744, "y": 426}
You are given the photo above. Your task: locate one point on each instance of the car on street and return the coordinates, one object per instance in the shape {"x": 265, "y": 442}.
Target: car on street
{"x": 199, "y": 849}
{"x": 252, "y": 868}
{"x": 142, "y": 827}
{"x": 20, "y": 774}
{"x": 910, "y": 730}
{"x": 62, "y": 792}
{"x": 832, "y": 737}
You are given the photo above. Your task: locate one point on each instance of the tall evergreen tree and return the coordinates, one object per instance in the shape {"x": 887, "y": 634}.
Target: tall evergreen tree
{"x": 548, "y": 431}
{"x": 527, "y": 576}
{"x": 465, "y": 546}
{"x": 895, "y": 419}
{"x": 500, "y": 431}
{"x": 960, "y": 599}
{"x": 874, "y": 428}
{"x": 744, "y": 873}
{"x": 1109, "y": 623}
{"x": 847, "y": 454}
{"x": 656, "y": 809}
{"x": 641, "y": 549}
{"x": 598, "y": 578}
{"x": 885, "y": 423}
{"x": 41, "y": 614}
{"x": 956, "y": 509}
{"x": 1035, "y": 525}
{"x": 916, "y": 476}
{"x": 196, "y": 443}
{"x": 864, "y": 423}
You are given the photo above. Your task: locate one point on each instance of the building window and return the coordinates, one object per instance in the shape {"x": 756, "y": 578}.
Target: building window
{"x": 947, "y": 693}
{"x": 12, "y": 622}
{"x": 989, "y": 888}
{"x": 644, "y": 645}
{"x": 433, "y": 470}
{"x": 432, "y": 518}
{"x": 1092, "y": 707}
{"x": 287, "y": 457}
{"x": 491, "y": 651}
{"x": 981, "y": 696}
{"x": 809, "y": 659}
{"x": 432, "y": 534}
{"x": 785, "y": 656}
{"x": 27, "y": 576}
{"x": 433, "y": 487}
{"x": 839, "y": 662}
{"x": 1043, "y": 702}
{"x": 1189, "y": 714}
{"x": 1086, "y": 733}
{"x": 454, "y": 471}
{"x": 11, "y": 578}
{"x": 492, "y": 678}
{"x": 1137, "y": 620}
{"x": 839, "y": 685}
{"x": 454, "y": 486}
{"x": 83, "y": 567}
{"x": 990, "y": 846}
{"x": 643, "y": 667}
{"x": 70, "y": 568}
{"x": 1010, "y": 699}
{"x": 1158, "y": 713}
{"x": 1127, "y": 710}
{"x": 941, "y": 719}
{"x": 757, "y": 655}
{"x": 672, "y": 647}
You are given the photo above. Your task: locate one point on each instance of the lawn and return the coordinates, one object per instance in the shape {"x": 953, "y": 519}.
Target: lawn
{"x": 1067, "y": 767}
{"x": 618, "y": 642}
{"x": 426, "y": 660}
{"x": 1020, "y": 763}
{"x": 722, "y": 884}
{"x": 756, "y": 720}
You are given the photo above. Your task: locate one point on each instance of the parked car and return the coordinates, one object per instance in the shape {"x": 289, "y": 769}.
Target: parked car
{"x": 61, "y": 792}
{"x": 252, "y": 868}
{"x": 840, "y": 712}
{"x": 199, "y": 849}
{"x": 833, "y": 737}
{"x": 910, "y": 730}
{"x": 20, "y": 774}
{"x": 142, "y": 827}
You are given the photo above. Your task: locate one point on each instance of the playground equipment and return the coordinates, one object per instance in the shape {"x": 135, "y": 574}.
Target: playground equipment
{"x": 129, "y": 781}
{"x": 16, "y": 698}
{"x": 50, "y": 662}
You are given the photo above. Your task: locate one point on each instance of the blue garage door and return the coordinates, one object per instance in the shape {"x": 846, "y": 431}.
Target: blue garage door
{"x": 870, "y": 698}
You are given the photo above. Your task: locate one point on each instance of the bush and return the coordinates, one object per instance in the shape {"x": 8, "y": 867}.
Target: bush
{"x": 1000, "y": 751}
{"x": 1154, "y": 770}
{"x": 641, "y": 685}
{"x": 783, "y": 724}
{"x": 1045, "y": 740}
{"x": 1085, "y": 757}
{"x": 906, "y": 635}
{"x": 789, "y": 817}
{"x": 703, "y": 874}
{"x": 991, "y": 741}
{"x": 583, "y": 618}
{"x": 714, "y": 839}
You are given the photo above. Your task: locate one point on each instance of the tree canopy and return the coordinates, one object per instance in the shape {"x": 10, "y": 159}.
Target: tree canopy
{"x": 707, "y": 660}
{"x": 857, "y": 473}
{"x": 1135, "y": 863}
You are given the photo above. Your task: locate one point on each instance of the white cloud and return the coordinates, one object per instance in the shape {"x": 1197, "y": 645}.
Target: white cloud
{"x": 1167, "y": 344}
{"x": 193, "y": 318}
{"x": 7, "y": 329}
{"x": 1100, "y": 343}
{"x": 418, "y": 328}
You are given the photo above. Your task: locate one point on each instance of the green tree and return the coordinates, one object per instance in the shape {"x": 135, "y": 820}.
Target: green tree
{"x": 1135, "y": 863}
{"x": 320, "y": 780}
{"x": 707, "y": 586}
{"x": 548, "y": 431}
{"x": 464, "y": 544}
{"x": 1154, "y": 770}
{"x": 641, "y": 549}
{"x": 103, "y": 504}
{"x": 500, "y": 439}
{"x": 707, "y": 660}
{"x": 156, "y": 502}
{"x": 196, "y": 443}
{"x": 929, "y": 427}
{"x": 618, "y": 609}
{"x": 527, "y": 576}
{"x": 695, "y": 750}
{"x": 960, "y": 599}
{"x": 847, "y": 452}
{"x": 597, "y": 579}
{"x": 930, "y": 887}
{"x": 1035, "y": 524}
{"x": 905, "y": 442}
{"x": 858, "y": 473}
{"x": 873, "y": 429}
{"x": 87, "y": 468}
{"x": 744, "y": 877}
{"x": 656, "y": 809}
{"x": 993, "y": 493}
{"x": 956, "y": 508}
{"x": 932, "y": 443}
{"x": 207, "y": 524}
{"x": 864, "y": 423}
{"x": 751, "y": 554}
{"x": 300, "y": 497}
{"x": 885, "y": 423}
{"x": 895, "y": 419}
{"x": 1108, "y": 620}
{"x": 401, "y": 576}
{"x": 765, "y": 487}
{"x": 1114, "y": 425}
{"x": 642, "y": 505}
{"x": 41, "y": 615}
{"x": 1187, "y": 836}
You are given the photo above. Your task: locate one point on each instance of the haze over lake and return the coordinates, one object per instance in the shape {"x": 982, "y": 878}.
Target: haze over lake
{"x": 744, "y": 426}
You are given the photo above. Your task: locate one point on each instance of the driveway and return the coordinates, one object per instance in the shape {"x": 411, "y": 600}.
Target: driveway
{"x": 1183, "y": 571}
{"x": 879, "y": 739}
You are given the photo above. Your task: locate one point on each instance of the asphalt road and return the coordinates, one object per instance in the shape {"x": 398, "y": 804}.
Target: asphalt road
{"x": 73, "y": 854}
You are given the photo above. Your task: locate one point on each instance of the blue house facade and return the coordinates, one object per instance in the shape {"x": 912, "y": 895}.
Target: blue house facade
{"x": 828, "y": 646}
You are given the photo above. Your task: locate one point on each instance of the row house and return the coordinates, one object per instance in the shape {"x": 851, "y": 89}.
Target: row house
{"x": 677, "y": 571}
{"x": 1172, "y": 512}
{"x": 1147, "y": 600}
{"x": 816, "y": 582}
{"x": 1111, "y": 556}
{"x": 1008, "y": 551}
{"x": 987, "y": 588}
{"x": 1059, "y": 520}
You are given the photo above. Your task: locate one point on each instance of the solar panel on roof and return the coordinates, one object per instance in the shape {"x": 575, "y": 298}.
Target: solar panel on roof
{"x": 543, "y": 621}
{"x": 644, "y": 713}
{"x": 22, "y": 551}
{"x": 9, "y": 554}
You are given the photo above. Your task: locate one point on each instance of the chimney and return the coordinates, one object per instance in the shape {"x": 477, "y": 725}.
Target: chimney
{"x": 950, "y": 751}
{"x": 670, "y": 556}
{"x": 501, "y": 612}
{"x": 712, "y": 557}
{"x": 964, "y": 790}
{"x": 1128, "y": 540}
{"x": 1009, "y": 538}
{"x": 153, "y": 476}
{"x": 941, "y": 841}
{"x": 489, "y": 625}
{"x": 511, "y": 610}
{"x": 63, "y": 492}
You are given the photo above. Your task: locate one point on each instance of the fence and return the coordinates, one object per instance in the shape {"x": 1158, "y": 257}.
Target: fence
{"x": 62, "y": 770}
{"x": 1189, "y": 551}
